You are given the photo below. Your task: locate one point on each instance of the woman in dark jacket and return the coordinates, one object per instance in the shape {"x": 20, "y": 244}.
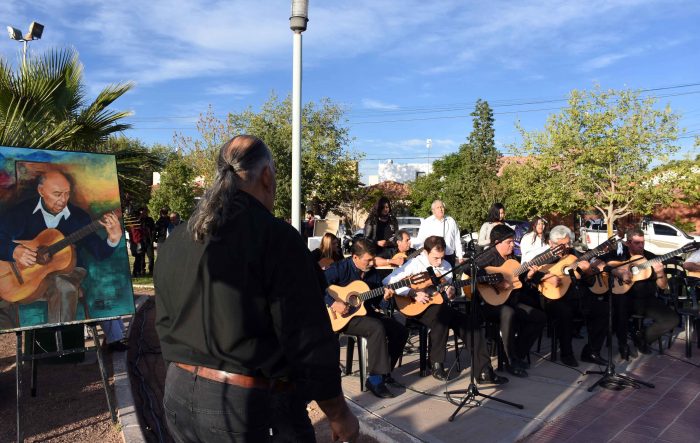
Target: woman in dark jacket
{"x": 381, "y": 225}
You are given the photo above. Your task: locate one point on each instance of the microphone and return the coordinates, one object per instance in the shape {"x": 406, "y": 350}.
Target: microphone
{"x": 433, "y": 278}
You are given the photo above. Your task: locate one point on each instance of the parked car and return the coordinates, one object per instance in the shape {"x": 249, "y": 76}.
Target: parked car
{"x": 411, "y": 221}
{"x": 470, "y": 240}
{"x": 593, "y": 233}
{"x": 661, "y": 237}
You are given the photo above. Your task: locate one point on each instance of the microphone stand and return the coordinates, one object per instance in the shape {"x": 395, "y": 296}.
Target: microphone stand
{"x": 472, "y": 391}
{"x": 611, "y": 379}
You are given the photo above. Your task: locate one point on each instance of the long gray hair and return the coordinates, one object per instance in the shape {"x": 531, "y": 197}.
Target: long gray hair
{"x": 240, "y": 161}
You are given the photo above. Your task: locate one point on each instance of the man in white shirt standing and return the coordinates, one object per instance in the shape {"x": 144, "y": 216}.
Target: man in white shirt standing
{"x": 443, "y": 226}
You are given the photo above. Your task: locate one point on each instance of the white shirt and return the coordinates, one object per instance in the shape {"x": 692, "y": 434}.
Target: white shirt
{"x": 416, "y": 266}
{"x": 526, "y": 243}
{"x": 694, "y": 257}
{"x": 532, "y": 253}
{"x": 446, "y": 228}
{"x": 51, "y": 220}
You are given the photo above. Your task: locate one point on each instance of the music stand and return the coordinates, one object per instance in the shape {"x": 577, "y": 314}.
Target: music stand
{"x": 611, "y": 379}
{"x": 472, "y": 391}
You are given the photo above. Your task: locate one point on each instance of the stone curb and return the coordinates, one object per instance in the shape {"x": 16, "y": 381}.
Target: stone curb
{"x": 126, "y": 411}
{"x": 378, "y": 428}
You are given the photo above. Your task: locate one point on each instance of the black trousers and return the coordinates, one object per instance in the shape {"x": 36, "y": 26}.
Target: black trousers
{"x": 664, "y": 318}
{"x": 201, "y": 410}
{"x": 386, "y": 339}
{"x": 594, "y": 310}
{"x": 524, "y": 319}
{"x": 440, "y": 319}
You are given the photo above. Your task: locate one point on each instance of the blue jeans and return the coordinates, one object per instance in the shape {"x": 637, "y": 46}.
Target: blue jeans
{"x": 201, "y": 410}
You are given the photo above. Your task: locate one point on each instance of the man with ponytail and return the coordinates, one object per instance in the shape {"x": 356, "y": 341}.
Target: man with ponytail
{"x": 240, "y": 316}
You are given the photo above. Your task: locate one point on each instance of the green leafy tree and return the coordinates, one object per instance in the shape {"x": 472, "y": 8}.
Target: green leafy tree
{"x": 177, "y": 189}
{"x": 329, "y": 169}
{"x": 598, "y": 152}
{"x": 466, "y": 181}
{"x": 43, "y": 106}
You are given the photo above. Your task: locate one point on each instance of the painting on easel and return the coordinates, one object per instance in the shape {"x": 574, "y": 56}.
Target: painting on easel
{"x": 63, "y": 256}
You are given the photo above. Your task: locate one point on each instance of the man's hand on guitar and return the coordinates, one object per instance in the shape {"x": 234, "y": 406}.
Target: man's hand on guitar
{"x": 340, "y": 307}
{"x": 24, "y": 256}
{"x": 421, "y": 297}
{"x": 552, "y": 279}
{"x": 623, "y": 274}
{"x": 450, "y": 292}
{"x": 388, "y": 293}
{"x": 532, "y": 270}
{"x": 113, "y": 227}
{"x": 397, "y": 261}
{"x": 382, "y": 243}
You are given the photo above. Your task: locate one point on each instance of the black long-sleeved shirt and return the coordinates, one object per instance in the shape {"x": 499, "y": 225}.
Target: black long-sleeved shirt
{"x": 248, "y": 300}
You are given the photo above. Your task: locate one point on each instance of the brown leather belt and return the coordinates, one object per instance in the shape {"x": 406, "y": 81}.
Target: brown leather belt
{"x": 229, "y": 378}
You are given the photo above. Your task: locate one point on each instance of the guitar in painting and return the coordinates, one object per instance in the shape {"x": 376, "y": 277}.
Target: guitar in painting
{"x": 55, "y": 254}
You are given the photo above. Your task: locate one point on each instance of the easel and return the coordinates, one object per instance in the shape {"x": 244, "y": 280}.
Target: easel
{"x": 21, "y": 358}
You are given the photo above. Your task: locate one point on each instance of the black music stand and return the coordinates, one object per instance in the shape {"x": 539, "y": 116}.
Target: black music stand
{"x": 611, "y": 379}
{"x": 472, "y": 391}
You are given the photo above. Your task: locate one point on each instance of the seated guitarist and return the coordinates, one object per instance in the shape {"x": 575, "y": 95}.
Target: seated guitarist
{"x": 52, "y": 209}
{"x": 641, "y": 298}
{"x": 440, "y": 318}
{"x": 577, "y": 298}
{"x": 376, "y": 327}
{"x": 396, "y": 255}
{"x": 515, "y": 314}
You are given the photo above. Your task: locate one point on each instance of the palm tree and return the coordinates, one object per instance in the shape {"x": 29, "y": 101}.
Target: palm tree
{"x": 42, "y": 105}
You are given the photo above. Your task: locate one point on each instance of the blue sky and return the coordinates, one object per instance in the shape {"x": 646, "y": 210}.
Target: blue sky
{"x": 406, "y": 70}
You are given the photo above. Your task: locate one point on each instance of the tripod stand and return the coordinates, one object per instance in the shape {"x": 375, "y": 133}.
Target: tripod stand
{"x": 472, "y": 392}
{"x": 611, "y": 379}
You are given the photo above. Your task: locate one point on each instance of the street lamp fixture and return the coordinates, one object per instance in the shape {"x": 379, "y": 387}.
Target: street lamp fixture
{"x": 297, "y": 23}
{"x": 35, "y": 32}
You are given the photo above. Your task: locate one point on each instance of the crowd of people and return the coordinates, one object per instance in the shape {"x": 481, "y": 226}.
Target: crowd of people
{"x": 145, "y": 235}
{"x": 246, "y": 314}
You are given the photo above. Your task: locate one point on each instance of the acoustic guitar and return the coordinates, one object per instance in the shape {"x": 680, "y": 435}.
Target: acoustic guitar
{"x": 409, "y": 307}
{"x": 570, "y": 263}
{"x": 641, "y": 269}
{"x": 407, "y": 257}
{"x": 356, "y": 293}
{"x": 511, "y": 270}
{"x": 55, "y": 254}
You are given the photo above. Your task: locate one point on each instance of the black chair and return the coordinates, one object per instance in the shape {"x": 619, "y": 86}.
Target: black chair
{"x": 361, "y": 353}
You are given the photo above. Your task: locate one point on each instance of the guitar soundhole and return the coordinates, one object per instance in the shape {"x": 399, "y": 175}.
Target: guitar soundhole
{"x": 634, "y": 270}
{"x": 353, "y": 301}
{"x": 43, "y": 256}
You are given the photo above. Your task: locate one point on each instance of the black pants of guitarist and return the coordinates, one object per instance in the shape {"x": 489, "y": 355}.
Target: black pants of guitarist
{"x": 386, "y": 339}
{"x": 440, "y": 319}
{"x": 565, "y": 309}
{"x": 664, "y": 318}
{"x": 524, "y": 319}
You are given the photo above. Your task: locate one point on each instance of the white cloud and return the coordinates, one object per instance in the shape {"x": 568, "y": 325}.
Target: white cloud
{"x": 369, "y": 103}
{"x": 229, "y": 89}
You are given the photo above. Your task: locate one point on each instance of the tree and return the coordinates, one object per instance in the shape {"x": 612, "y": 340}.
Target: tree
{"x": 177, "y": 189}
{"x": 42, "y": 105}
{"x": 598, "y": 152}
{"x": 466, "y": 181}
{"x": 329, "y": 169}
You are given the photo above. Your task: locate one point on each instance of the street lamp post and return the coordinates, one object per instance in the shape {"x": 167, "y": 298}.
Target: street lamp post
{"x": 35, "y": 32}
{"x": 297, "y": 23}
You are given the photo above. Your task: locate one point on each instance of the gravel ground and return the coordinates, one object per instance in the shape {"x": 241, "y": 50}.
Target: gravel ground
{"x": 70, "y": 404}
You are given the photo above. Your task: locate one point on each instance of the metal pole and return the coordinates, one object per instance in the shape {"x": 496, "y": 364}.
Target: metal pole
{"x": 24, "y": 52}
{"x": 296, "y": 133}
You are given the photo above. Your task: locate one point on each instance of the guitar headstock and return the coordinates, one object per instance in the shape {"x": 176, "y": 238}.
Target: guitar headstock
{"x": 559, "y": 250}
{"x": 690, "y": 247}
{"x": 417, "y": 279}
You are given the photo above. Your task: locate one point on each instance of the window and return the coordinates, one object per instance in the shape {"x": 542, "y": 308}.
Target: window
{"x": 664, "y": 230}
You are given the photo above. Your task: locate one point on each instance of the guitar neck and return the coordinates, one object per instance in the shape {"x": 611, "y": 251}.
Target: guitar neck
{"x": 380, "y": 290}
{"x": 537, "y": 261}
{"x": 662, "y": 258}
{"x": 74, "y": 237}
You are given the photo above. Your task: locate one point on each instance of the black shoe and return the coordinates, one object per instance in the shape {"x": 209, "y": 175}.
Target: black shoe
{"x": 516, "y": 370}
{"x": 379, "y": 390}
{"x": 522, "y": 362}
{"x": 644, "y": 348}
{"x": 625, "y": 352}
{"x": 117, "y": 346}
{"x": 388, "y": 379}
{"x": 439, "y": 372}
{"x": 569, "y": 360}
{"x": 487, "y": 376}
{"x": 593, "y": 357}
